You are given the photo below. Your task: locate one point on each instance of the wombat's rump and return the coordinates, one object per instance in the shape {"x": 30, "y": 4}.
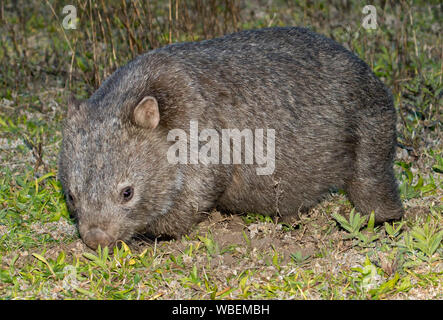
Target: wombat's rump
{"x": 334, "y": 125}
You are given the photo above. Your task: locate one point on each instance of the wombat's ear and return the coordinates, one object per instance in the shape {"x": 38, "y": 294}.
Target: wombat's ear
{"x": 146, "y": 113}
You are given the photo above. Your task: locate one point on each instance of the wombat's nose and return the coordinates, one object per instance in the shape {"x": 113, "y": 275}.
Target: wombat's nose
{"x": 95, "y": 237}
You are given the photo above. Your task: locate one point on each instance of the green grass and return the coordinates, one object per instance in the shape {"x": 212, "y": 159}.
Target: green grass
{"x": 330, "y": 253}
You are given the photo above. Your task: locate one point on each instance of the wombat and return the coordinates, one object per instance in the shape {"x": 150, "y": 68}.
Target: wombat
{"x": 333, "y": 119}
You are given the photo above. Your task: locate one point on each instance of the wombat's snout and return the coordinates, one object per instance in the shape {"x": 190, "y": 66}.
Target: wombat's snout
{"x": 97, "y": 236}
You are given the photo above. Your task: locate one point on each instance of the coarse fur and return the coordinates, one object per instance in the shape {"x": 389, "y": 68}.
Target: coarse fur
{"x": 334, "y": 123}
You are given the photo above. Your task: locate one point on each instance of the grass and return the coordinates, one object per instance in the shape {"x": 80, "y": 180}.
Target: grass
{"x": 330, "y": 253}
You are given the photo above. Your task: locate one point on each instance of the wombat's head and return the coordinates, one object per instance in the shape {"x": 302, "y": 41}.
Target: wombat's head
{"x": 114, "y": 170}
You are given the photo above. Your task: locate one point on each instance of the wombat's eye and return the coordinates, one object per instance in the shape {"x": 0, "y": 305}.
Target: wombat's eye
{"x": 127, "y": 193}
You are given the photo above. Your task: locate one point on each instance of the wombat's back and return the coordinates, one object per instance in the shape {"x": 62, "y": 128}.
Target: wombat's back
{"x": 283, "y": 67}
{"x": 273, "y": 68}
{"x": 279, "y": 45}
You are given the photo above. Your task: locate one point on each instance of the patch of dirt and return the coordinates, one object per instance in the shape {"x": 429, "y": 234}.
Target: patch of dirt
{"x": 264, "y": 239}
{"x": 58, "y": 230}
{"x": 416, "y": 212}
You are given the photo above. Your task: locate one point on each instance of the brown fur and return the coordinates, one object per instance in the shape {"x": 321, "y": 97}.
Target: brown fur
{"x": 334, "y": 123}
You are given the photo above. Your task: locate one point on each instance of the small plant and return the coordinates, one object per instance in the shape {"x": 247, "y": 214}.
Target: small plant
{"x": 354, "y": 226}
{"x": 427, "y": 239}
{"x": 210, "y": 244}
{"x": 393, "y": 230}
{"x": 367, "y": 277}
{"x": 369, "y": 280}
{"x": 299, "y": 258}
{"x": 438, "y": 166}
{"x": 255, "y": 217}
